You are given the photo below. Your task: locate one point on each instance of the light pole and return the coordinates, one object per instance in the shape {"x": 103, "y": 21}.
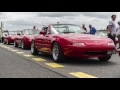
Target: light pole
{"x": 1, "y": 30}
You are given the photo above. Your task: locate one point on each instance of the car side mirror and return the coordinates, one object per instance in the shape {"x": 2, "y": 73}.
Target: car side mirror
{"x": 42, "y": 32}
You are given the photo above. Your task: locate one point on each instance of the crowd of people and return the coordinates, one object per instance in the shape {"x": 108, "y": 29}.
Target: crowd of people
{"x": 112, "y": 29}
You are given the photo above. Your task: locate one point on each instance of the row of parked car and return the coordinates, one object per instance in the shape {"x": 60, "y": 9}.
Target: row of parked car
{"x": 61, "y": 41}
{"x": 19, "y": 38}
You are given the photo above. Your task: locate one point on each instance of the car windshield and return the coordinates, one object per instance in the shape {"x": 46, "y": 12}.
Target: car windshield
{"x": 101, "y": 33}
{"x": 13, "y": 33}
{"x": 5, "y": 33}
{"x": 67, "y": 28}
{"x": 32, "y": 31}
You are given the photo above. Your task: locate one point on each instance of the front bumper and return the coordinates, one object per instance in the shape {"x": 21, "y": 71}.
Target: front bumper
{"x": 87, "y": 51}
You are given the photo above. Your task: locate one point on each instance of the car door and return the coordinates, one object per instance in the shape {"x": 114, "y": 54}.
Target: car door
{"x": 47, "y": 41}
{"x": 19, "y": 37}
{"x": 39, "y": 41}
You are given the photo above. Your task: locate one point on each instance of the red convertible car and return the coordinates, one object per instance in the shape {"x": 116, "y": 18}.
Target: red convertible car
{"x": 9, "y": 38}
{"x": 24, "y": 40}
{"x": 69, "y": 40}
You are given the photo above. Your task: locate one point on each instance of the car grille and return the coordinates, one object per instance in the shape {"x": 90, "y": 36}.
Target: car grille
{"x": 96, "y": 52}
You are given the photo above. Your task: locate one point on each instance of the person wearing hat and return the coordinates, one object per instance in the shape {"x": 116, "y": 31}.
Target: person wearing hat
{"x": 118, "y": 33}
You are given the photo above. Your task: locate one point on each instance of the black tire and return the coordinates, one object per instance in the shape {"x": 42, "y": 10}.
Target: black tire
{"x": 4, "y": 42}
{"x": 60, "y": 56}
{"x": 23, "y": 45}
{"x": 33, "y": 49}
{"x": 107, "y": 58}
{"x": 15, "y": 44}
{"x": 8, "y": 43}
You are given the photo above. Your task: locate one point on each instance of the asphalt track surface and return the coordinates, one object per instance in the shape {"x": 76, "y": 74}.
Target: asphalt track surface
{"x": 19, "y": 63}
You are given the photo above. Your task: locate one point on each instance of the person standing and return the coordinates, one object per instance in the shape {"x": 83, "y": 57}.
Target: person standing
{"x": 108, "y": 32}
{"x": 118, "y": 33}
{"x": 92, "y": 30}
{"x": 112, "y": 28}
{"x": 83, "y": 26}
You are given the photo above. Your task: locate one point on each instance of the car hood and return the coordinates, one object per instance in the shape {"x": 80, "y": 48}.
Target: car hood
{"x": 11, "y": 36}
{"x": 85, "y": 38}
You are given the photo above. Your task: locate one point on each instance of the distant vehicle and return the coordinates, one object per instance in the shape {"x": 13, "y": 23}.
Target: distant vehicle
{"x": 9, "y": 38}
{"x": 24, "y": 39}
{"x": 2, "y": 36}
{"x": 61, "y": 40}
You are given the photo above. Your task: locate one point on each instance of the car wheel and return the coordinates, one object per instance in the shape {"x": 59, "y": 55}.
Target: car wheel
{"x": 15, "y": 44}
{"x": 57, "y": 53}
{"x": 107, "y": 58}
{"x": 4, "y": 42}
{"x": 33, "y": 49}
{"x": 1, "y": 41}
{"x": 8, "y": 43}
{"x": 23, "y": 45}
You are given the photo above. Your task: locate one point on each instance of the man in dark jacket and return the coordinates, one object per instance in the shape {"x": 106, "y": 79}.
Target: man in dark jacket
{"x": 92, "y": 30}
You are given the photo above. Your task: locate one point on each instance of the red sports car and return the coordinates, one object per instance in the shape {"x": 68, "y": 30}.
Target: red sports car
{"x": 24, "y": 40}
{"x": 8, "y": 39}
{"x": 62, "y": 40}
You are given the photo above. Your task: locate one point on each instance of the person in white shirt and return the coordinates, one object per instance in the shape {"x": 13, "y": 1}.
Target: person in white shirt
{"x": 112, "y": 28}
{"x": 118, "y": 33}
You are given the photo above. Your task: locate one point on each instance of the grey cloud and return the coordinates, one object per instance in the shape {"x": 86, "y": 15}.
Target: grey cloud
{"x": 28, "y": 19}
{"x": 57, "y": 14}
{"x": 2, "y": 15}
{"x": 102, "y": 15}
{"x": 22, "y": 23}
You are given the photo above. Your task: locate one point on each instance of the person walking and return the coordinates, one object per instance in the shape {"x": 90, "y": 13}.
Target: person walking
{"x": 108, "y": 32}
{"x": 118, "y": 33}
{"x": 112, "y": 29}
{"x": 83, "y": 26}
{"x": 92, "y": 30}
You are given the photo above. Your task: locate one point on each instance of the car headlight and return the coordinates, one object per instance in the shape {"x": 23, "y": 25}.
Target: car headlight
{"x": 78, "y": 44}
{"x": 111, "y": 44}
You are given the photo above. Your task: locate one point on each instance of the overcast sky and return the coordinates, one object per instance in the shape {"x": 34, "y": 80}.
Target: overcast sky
{"x": 22, "y": 20}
